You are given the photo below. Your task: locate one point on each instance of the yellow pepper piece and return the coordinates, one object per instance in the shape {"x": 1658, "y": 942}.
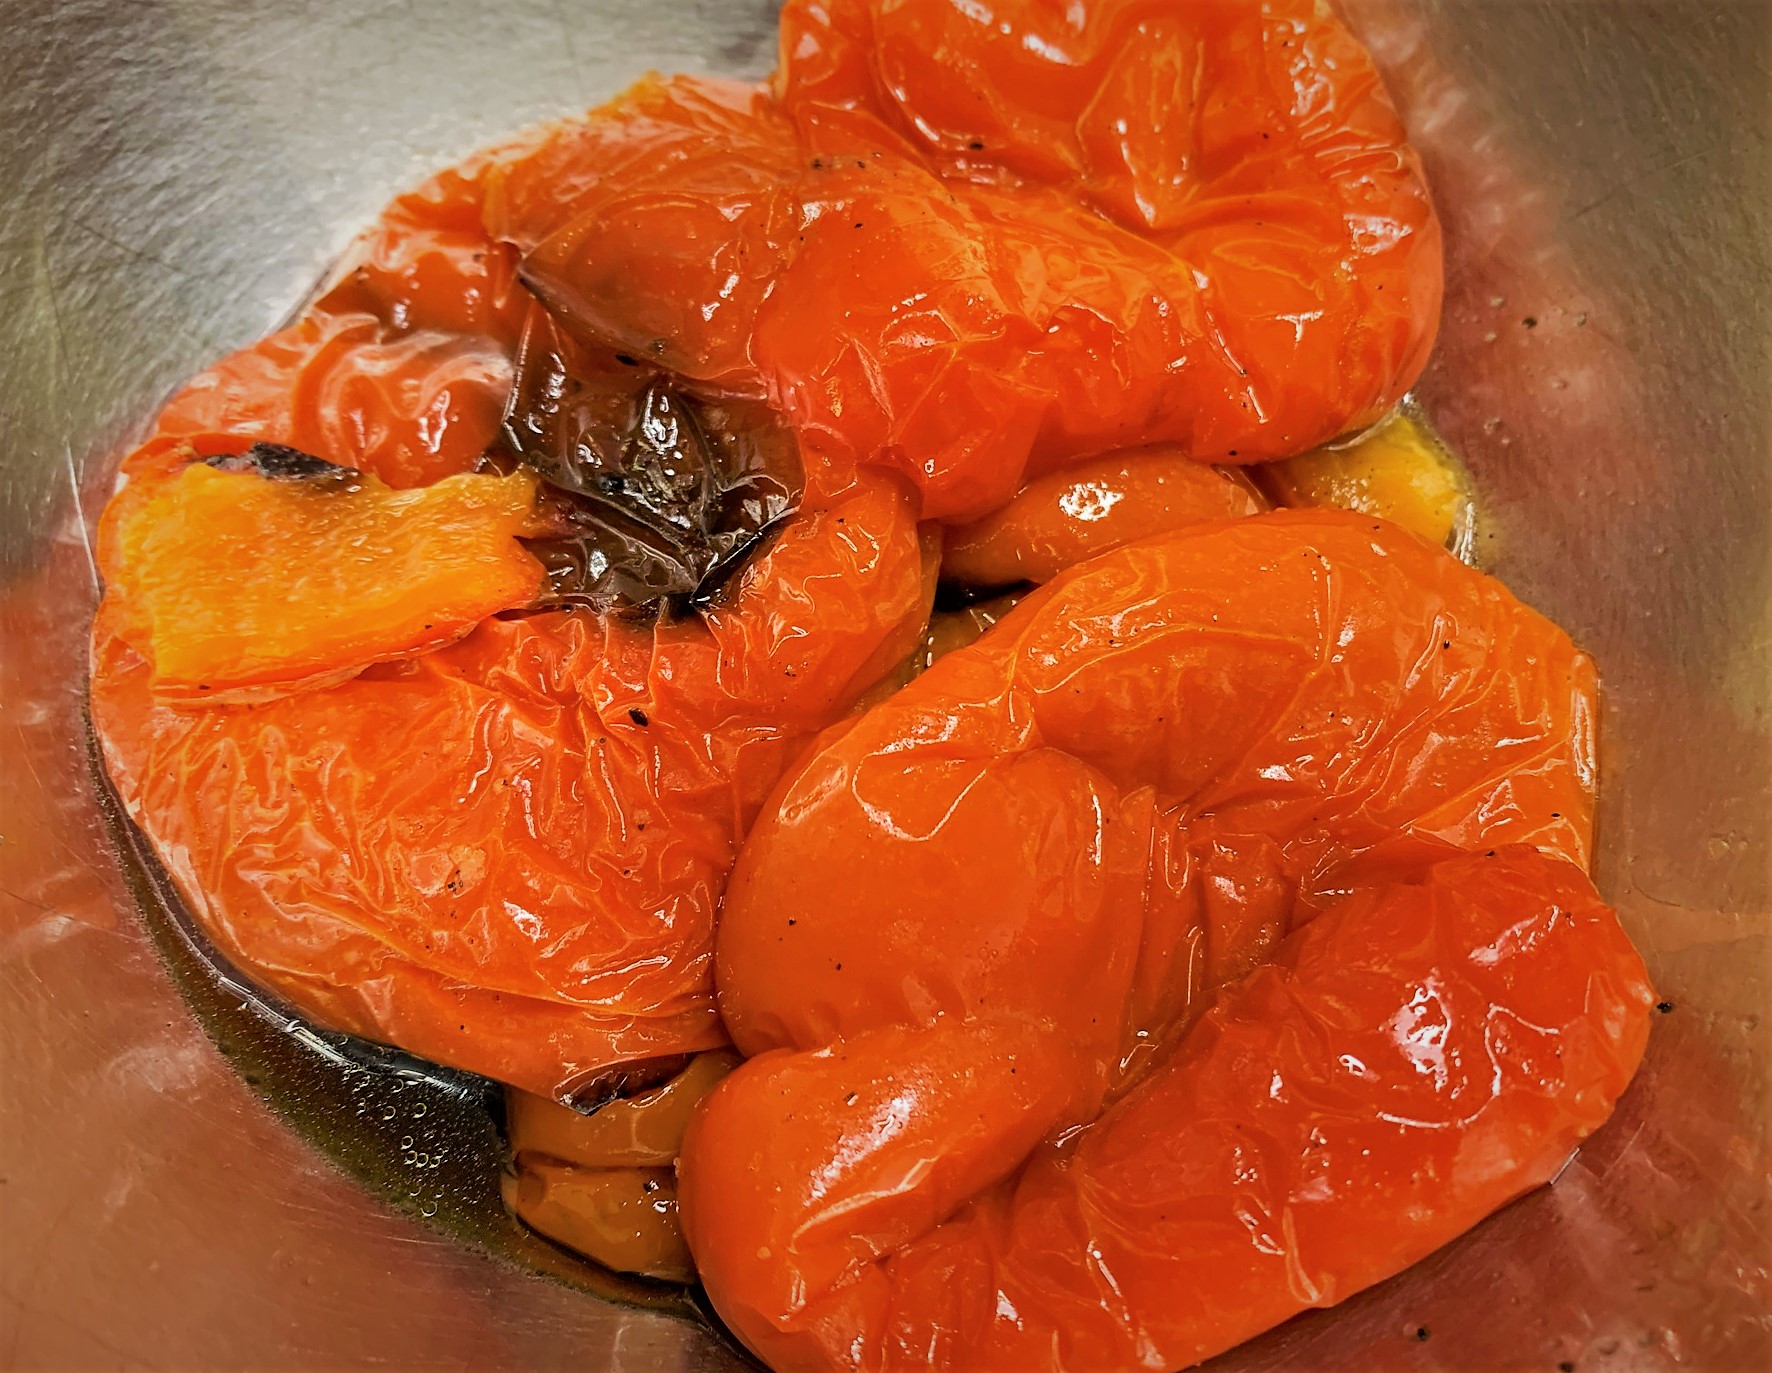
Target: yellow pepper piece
{"x": 1397, "y": 470}
{"x": 622, "y": 1218}
{"x": 644, "y": 1130}
{"x": 604, "y": 1184}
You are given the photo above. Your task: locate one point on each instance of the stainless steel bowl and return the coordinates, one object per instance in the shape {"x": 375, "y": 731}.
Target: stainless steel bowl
{"x": 177, "y": 172}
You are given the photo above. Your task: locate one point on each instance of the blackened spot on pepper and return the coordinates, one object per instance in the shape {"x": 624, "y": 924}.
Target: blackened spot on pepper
{"x": 279, "y": 462}
{"x": 655, "y": 495}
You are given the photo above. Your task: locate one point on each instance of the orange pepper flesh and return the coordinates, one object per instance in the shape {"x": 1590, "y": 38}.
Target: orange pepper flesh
{"x": 506, "y": 854}
{"x": 624, "y": 1218}
{"x": 955, "y": 258}
{"x": 243, "y": 584}
{"x": 1086, "y": 508}
{"x": 1257, "y": 767}
{"x": 960, "y": 291}
{"x": 644, "y": 1130}
{"x": 603, "y": 1183}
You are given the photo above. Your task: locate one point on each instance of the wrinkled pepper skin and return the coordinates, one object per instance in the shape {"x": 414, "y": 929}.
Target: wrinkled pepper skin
{"x": 964, "y": 238}
{"x": 504, "y": 855}
{"x": 1197, "y": 224}
{"x": 1226, "y": 946}
{"x": 507, "y": 853}
{"x": 1208, "y": 940}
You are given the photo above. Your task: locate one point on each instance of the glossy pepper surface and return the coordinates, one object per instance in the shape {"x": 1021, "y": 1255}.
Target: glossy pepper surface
{"x": 1207, "y": 940}
{"x": 1226, "y": 947}
{"x": 506, "y": 852}
{"x": 963, "y": 237}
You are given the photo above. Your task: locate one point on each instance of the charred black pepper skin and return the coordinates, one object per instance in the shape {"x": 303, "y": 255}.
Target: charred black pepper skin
{"x": 279, "y": 462}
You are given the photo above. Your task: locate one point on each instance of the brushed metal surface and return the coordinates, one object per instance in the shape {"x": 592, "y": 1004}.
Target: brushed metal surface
{"x": 175, "y": 173}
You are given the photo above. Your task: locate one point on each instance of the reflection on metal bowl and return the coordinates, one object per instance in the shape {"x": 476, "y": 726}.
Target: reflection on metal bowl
{"x": 178, "y": 172}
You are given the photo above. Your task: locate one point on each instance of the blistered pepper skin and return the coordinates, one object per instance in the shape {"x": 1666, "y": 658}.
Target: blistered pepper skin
{"x": 1226, "y": 947}
{"x": 1207, "y": 942}
{"x": 931, "y": 307}
{"x": 1192, "y": 224}
{"x": 504, "y": 855}
{"x": 410, "y": 408}
{"x": 962, "y": 239}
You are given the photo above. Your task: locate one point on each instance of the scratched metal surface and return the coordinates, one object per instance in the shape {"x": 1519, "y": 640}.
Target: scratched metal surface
{"x": 175, "y": 173}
